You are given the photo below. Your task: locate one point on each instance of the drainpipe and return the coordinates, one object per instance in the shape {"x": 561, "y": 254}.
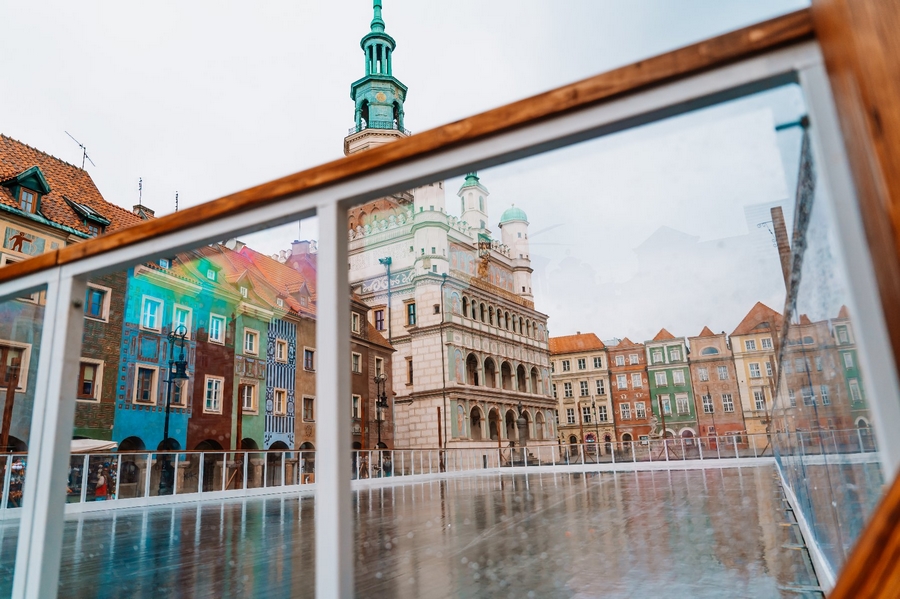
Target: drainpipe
{"x": 443, "y": 364}
{"x": 387, "y": 264}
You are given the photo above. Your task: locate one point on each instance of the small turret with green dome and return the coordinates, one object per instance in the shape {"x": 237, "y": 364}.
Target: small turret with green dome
{"x": 378, "y": 96}
{"x": 513, "y": 213}
{"x": 473, "y": 202}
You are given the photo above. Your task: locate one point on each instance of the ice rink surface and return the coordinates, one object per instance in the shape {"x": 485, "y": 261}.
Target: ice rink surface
{"x": 690, "y": 533}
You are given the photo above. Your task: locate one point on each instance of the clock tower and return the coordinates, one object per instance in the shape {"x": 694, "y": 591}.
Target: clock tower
{"x": 378, "y": 96}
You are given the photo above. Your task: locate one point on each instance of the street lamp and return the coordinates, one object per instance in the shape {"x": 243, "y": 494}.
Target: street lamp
{"x": 177, "y": 375}
{"x": 381, "y": 403}
{"x": 596, "y": 429}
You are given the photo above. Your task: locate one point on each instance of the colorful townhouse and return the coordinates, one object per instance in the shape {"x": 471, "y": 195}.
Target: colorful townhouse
{"x": 47, "y": 204}
{"x": 580, "y": 379}
{"x": 848, "y": 367}
{"x": 630, "y": 391}
{"x": 670, "y": 385}
{"x": 754, "y": 344}
{"x": 715, "y": 387}
{"x": 370, "y": 357}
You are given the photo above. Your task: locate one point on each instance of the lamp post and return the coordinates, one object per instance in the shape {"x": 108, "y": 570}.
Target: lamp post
{"x": 381, "y": 405}
{"x": 177, "y": 375}
{"x": 596, "y": 429}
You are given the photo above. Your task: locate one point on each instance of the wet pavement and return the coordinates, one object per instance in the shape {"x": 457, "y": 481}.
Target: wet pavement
{"x": 693, "y": 533}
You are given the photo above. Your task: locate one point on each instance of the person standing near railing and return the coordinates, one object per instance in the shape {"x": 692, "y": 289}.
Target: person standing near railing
{"x": 102, "y": 489}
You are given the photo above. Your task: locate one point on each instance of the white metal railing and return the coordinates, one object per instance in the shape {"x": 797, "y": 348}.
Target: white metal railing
{"x": 117, "y": 477}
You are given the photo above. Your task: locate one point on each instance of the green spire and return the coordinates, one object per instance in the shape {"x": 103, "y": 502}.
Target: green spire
{"x": 377, "y": 22}
{"x": 472, "y": 181}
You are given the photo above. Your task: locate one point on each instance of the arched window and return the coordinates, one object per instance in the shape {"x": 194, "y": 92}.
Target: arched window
{"x": 490, "y": 373}
{"x": 491, "y": 315}
{"x": 465, "y": 306}
{"x": 472, "y": 370}
{"x": 709, "y": 351}
{"x": 481, "y": 203}
{"x": 483, "y": 313}
{"x": 475, "y": 423}
{"x": 506, "y": 320}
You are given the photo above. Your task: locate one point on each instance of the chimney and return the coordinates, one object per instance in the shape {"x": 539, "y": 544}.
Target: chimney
{"x": 142, "y": 211}
{"x": 784, "y": 246}
{"x": 300, "y": 248}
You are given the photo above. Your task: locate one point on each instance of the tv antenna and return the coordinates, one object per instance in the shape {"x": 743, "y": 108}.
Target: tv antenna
{"x": 84, "y": 154}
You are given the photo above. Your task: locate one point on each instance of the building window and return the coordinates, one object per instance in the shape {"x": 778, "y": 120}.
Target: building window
{"x": 640, "y": 410}
{"x": 251, "y": 342}
{"x": 855, "y": 391}
{"x": 88, "y": 380}
{"x": 280, "y": 402}
{"x": 622, "y": 381}
{"x": 213, "y": 401}
{"x": 379, "y": 320}
{"x": 809, "y": 396}
{"x": 27, "y": 201}
{"x": 675, "y": 355}
{"x": 355, "y": 407}
{"x": 598, "y": 362}
{"x": 570, "y": 415}
{"x": 625, "y": 410}
{"x": 247, "y": 394}
{"x": 768, "y": 369}
{"x": 210, "y": 274}
{"x": 678, "y": 377}
{"x": 182, "y": 318}
{"x": 727, "y": 402}
{"x": 666, "y": 404}
{"x": 411, "y": 314}
{"x": 633, "y": 359}
{"x": 309, "y": 359}
{"x": 409, "y": 371}
{"x": 681, "y": 401}
{"x": 281, "y": 351}
{"x": 150, "y": 314}
{"x": 703, "y": 374}
{"x": 823, "y": 389}
{"x": 620, "y": 360}
{"x": 602, "y": 414}
{"x": 754, "y": 370}
{"x": 566, "y": 365}
{"x": 379, "y": 366}
{"x": 657, "y": 356}
{"x": 567, "y": 389}
{"x": 759, "y": 399}
{"x": 145, "y": 385}
{"x": 636, "y": 381}
{"x": 786, "y": 367}
{"x": 356, "y": 362}
{"x": 723, "y": 373}
{"x": 582, "y": 363}
{"x": 217, "y": 329}
{"x": 792, "y": 395}
{"x": 848, "y": 360}
{"x": 707, "y": 404}
{"x": 309, "y": 409}
{"x": 819, "y": 363}
{"x": 601, "y": 388}
{"x": 584, "y": 389}
{"x": 243, "y": 292}
{"x": 554, "y": 389}
{"x": 661, "y": 379}
{"x": 766, "y": 343}
{"x": 800, "y": 365}
{"x": 354, "y": 322}
{"x": 586, "y": 414}
{"x": 843, "y": 336}
{"x": 750, "y": 345}
{"x": 96, "y": 303}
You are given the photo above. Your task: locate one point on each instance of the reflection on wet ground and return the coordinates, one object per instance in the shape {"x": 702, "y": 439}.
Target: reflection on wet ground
{"x": 713, "y": 533}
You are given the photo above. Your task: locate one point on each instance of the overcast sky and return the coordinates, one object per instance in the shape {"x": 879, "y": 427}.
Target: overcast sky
{"x": 207, "y": 98}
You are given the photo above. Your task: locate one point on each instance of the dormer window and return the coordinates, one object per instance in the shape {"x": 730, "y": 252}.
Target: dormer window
{"x": 164, "y": 262}
{"x": 95, "y": 230}
{"x": 243, "y": 292}
{"x": 27, "y": 200}
{"x": 210, "y": 274}
{"x": 280, "y": 302}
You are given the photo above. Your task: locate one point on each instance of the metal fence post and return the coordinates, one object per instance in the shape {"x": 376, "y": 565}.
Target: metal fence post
{"x": 200, "y": 466}
{"x": 175, "y": 477}
{"x": 147, "y": 476}
{"x": 84, "y": 477}
{"x": 246, "y": 468}
{"x": 734, "y": 440}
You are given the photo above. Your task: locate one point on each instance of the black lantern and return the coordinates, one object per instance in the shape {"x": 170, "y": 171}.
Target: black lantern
{"x": 178, "y": 376}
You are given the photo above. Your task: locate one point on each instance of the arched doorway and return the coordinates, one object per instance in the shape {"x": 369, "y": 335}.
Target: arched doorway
{"x": 511, "y": 433}
{"x": 307, "y": 462}
{"x": 472, "y": 370}
{"x": 522, "y": 385}
{"x": 506, "y": 377}
{"x": 688, "y": 436}
{"x": 129, "y": 444}
{"x": 248, "y": 443}
{"x": 274, "y": 461}
{"x": 528, "y": 428}
{"x": 475, "y": 420}
{"x": 212, "y": 476}
{"x": 573, "y": 445}
{"x": 494, "y": 424}
{"x": 490, "y": 373}
{"x": 607, "y": 442}
{"x": 169, "y": 444}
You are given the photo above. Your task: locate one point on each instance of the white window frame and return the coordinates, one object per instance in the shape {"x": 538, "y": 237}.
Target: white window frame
{"x": 282, "y": 409}
{"x": 755, "y": 372}
{"x": 145, "y": 300}
{"x": 600, "y": 387}
{"x": 708, "y": 407}
{"x": 749, "y": 344}
{"x": 823, "y": 393}
{"x": 190, "y": 316}
{"x": 682, "y": 403}
{"x": 661, "y": 382}
{"x": 379, "y": 366}
{"x": 356, "y": 363}
{"x": 104, "y": 310}
{"x": 566, "y": 365}
{"x": 766, "y": 343}
{"x": 567, "y": 390}
{"x": 154, "y": 388}
{"x": 759, "y": 397}
{"x": 621, "y": 381}
{"x": 356, "y": 406}
{"x": 251, "y": 334}
{"x": 584, "y": 388}
{"x": 581, "y": 363}
{"x": 281, "y": 351}
{"x": 637, "y": 381}
{"x": 98, "y": 381}
{"x": 703, "y": 374}
{"x": 678, "y": 377}
{"x": 598, "y": 362}
{"x": 632, "y": 359}
{"x": 640, "y": 410}
{"x": 620, "y": 360}
{"x": 675, "y": 354}
{"x": 354, "y": 322}
{"x": 216, "y": 408}
{"x": 586, "y": 417}
{"x": 570, "y": 416}
{"x": 254, "y": 396}
{"x": 727, "y": 402}
{"x": 602, "y": 414}
{"x": 855, "y": 390}
{"x": 657, "y": 356}
{"x": 220, "y": 338}
{"x": 848, "y": 360}
{"x": 720, "y": 370}
{"x": 625, "y": 410}
{"x": 769, "y": 371}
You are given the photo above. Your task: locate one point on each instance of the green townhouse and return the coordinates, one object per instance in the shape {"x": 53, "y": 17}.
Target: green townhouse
{"x": 670, "y": 386}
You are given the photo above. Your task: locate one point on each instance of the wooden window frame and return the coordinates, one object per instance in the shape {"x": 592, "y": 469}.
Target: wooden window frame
{"x": 154, "y": 384}
{"x": 98, "y": 380}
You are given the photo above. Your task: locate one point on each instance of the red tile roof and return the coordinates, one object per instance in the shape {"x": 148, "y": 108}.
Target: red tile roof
{"x": 706, "y": 333}
{"x": 377, "y": 338}
{"x": 804, "y": 319}
{"x": 65, "y": 180}
{"x": 575, "y": 343}
{"x": 758, "y": 315}
{"x": 844, "y": 312}
{"x": 663, "y": 335}
{"x": 626, "y": 342}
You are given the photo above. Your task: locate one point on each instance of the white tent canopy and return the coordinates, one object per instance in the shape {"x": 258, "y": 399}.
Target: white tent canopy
{"x": 92, "y": 445}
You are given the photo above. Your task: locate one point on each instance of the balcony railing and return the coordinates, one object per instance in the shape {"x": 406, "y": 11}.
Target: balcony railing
{"x": 390, "y": 125}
